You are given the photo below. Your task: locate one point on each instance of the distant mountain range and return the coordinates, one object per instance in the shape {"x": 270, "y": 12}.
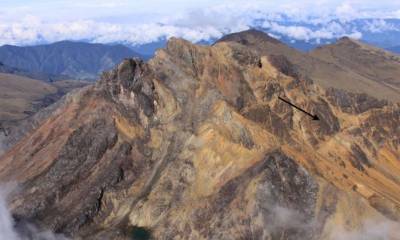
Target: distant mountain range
{"x": 147, "y": 50}
{"x": 34, "y": 75}
{"x": 394, "y": 49}
{"x": 66, "y": 59}
{"x": 86, "y": 61}
{"x": 306, "y": 35}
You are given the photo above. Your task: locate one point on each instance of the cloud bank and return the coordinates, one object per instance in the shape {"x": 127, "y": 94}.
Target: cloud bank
{"x": 111, "y": 22}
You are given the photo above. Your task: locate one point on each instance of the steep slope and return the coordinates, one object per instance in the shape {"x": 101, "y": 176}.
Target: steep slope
{"x": 195, "y": 144}
{"x": 367, "y": 61}
{"x": 327, "y": 73}
{"x": 77, "y": 60}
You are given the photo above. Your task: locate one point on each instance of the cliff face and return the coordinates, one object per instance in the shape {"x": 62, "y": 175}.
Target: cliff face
{"x": 196, "y": 145}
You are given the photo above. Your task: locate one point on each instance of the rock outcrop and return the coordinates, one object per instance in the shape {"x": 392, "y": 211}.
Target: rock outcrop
{"x": 195, "y": 144}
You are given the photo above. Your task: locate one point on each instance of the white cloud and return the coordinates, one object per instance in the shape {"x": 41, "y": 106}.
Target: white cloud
{"x": 345, "y": 12}
{"x": 379, "y": 25}
{"x": 27, "y": 33}
{"x": 142, "y": 22}
{"x": 332, "y": 30}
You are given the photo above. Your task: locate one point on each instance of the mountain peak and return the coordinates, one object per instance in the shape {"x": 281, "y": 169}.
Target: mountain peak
{"x": 197, "y": 138}
{"x": 177, "y": 42}
{"x": 129, "y": 73}
{"x": 347, "y": 40}
{"x": 249, "y": 37}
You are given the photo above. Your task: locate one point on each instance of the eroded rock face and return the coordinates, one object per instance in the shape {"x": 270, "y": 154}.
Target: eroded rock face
{"x": 196, "y": 145}
{"x": 353, "y": 103}
{"x": 287, "y": 199}
{"x": 282, "y": 202}
{"x": 282, "y": 64}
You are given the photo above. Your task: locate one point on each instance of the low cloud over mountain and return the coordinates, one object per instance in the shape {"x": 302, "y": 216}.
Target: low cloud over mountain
{"x": 304, "y": 21}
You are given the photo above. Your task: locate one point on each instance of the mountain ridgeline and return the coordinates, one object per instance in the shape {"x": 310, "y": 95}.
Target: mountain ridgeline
{"x": 347, "y": 64}
{"x": 66, "y": 59}
{"x": 196, "y": 144}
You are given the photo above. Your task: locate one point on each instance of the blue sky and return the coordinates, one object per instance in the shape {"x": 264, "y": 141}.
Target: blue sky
{"x": 28, "y": 22}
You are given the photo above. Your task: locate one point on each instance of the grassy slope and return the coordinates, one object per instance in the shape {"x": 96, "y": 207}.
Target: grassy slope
{"x": 19, "y": 94}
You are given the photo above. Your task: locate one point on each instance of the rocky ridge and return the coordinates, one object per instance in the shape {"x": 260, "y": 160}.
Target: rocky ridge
{"x": 195, "y": 144}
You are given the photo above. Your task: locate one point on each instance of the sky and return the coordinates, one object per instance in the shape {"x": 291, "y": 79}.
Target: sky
{"x": 26, "y": 22}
